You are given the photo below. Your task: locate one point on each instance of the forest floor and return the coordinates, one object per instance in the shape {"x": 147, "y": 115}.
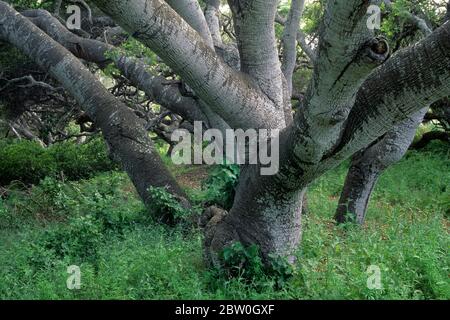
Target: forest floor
{"x": 101, "y": 226}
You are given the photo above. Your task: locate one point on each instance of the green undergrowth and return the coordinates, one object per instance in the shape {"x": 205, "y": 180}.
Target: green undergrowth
{"x": 100, "y": 225}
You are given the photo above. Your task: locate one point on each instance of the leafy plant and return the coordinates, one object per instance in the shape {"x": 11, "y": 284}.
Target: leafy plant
{"x": 79, "y": 239}
{"x": 220, "y": 186}
{"x": 246, "y": 263}
{"x": 28, "y": 162}
{"x": 240, "y": 261}
{"x": 165, "y": 206}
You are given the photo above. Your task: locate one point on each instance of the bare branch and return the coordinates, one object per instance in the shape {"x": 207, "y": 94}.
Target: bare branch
{"x": 191, "y": 12}
{"x": 134, "y": 70}
{"x": 31, "y": 83}
{"x": 212, "y": 19}
{"x": 301, "y": 39}
{"x": 121, "y": 128}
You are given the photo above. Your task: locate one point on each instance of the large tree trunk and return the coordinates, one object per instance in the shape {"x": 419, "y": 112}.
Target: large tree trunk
{"x": 266, "y": 210}
{"x": 122, "y": 130}
{"x": 367, "y": 166}
{"x": 347, "y": 107}
{"x": 263, "y": 213}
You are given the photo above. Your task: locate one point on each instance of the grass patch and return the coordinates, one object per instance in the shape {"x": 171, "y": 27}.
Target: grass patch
{"x": 100, "y": 225}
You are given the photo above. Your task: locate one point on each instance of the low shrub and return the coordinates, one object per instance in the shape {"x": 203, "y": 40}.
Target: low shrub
{"x": 80, "y": 238}
{"x": 28, "y": 162}
{"x": 165, "y": 207}
{"x": 219, "y": 188}
{"x": 245, "y": 263}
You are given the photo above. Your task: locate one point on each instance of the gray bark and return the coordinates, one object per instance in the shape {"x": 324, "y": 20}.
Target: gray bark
{"x": 367, "y": 166}
{"x": 166, "y": 94}
{"x": 351, "y": 101}
{"x": 269, "y": 206}
{"x": 191, "y": 12}
{"x": 212, "y": 16}
{"x": 419, "y": 22}
{"x": 254, "y": 26}
{"x": 289, "y": 41}
{"x": 231, "y": 94}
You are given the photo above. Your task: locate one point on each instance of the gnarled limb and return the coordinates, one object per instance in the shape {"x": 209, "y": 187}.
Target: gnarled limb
{"x": 231, "y": 94}
{"x": 348, "y": 52}
{"x": 156, "y": 87}
{"x": 270, "y": 205}
{"x": 367, "y": 166}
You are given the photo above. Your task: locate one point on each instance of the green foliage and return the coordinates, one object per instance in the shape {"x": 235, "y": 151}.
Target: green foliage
{"x": 219, "y": 188}
{"x": 245, "y": 263}
{"x": 28, "y": 162}
{"x": 99, "y": 225}
{"x": 396, "y": 19}
{"x": 3, "y": 210}
{"x": 52, "y": 200}
{"x": 166, "y": 206}
{"x": 281, "y": 270}
{"x": 312, "y": 16}
{"x": 25, "y": 161}
{"x": 394, "y": 22}
{"x": 240, "y": 261}
{"x": 81, "y": 161}
{"x": 91, "y": 213}
{"x": 78, "y": 239}
{"x": 133, "y": 49}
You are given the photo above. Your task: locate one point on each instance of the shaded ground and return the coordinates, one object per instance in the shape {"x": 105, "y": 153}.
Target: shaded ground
{"x": 192, "y": 177}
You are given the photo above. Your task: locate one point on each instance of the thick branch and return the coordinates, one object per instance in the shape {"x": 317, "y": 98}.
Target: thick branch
{"x": 191, "y": 12}
{"x": 289, "y": 41}
{"x": 347, "y": 54}
{"x": 212, "y": 16}
{"x": 369, "y": 164}
{"x": 414, "y": 77}
{"x": 230, "y": 94}
{"x": 156, "y": 87}
{"x": 255, "y": 34}
{"x": 301, "y": 39}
